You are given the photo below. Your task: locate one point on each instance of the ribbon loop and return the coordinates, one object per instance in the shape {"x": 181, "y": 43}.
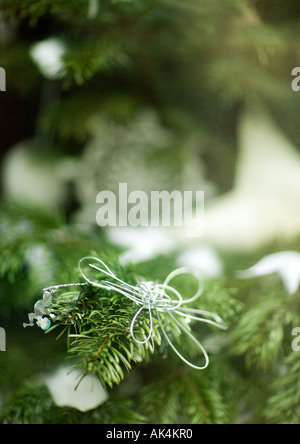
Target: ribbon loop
{"x": 191, "y": 271}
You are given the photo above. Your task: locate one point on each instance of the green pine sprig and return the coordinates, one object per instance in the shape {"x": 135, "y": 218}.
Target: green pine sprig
{"x": 97, "y": 324}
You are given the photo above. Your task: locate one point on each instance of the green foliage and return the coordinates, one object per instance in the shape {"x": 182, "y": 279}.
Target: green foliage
{"x": 253, "y": 373}
{"x": 262, "y": 332}
{"x": 128, "y": 45}
{"x": 23, "y": 228}
{"x": 251, "y": 362}
{"x": 194, "y": 64}
{"x": 97, "y": 324}
{"x": 35, "y": 9}
{"x": 283, "y": 405}
{"x": 183, "y": 397}
{"x": 34, "y": 405}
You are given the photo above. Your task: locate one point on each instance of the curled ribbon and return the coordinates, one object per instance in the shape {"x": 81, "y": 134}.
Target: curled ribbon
{"x": 163, "y": 298}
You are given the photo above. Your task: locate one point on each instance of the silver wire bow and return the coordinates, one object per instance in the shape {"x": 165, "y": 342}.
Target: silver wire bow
{"x": 162, "y": 298}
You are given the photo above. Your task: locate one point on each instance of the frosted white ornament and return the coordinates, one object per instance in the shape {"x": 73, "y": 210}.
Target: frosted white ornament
{"x": 285, "y": 263}
{"x": 264, "y": 203}
{"x": 203, "y": 257}
{"x": 48, "y": 54}
{"x": 87, "y": 396}
{"x": 142, "y": 243}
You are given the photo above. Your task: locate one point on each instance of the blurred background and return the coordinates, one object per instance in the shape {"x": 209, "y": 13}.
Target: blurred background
{"x": 162, "y": 95}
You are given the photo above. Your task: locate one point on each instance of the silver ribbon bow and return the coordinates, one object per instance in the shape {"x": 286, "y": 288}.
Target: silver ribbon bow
{"x": 162, "y": 298}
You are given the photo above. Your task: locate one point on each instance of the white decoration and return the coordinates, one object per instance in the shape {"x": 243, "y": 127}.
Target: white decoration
{"x": 286, "y": 264}
{"x": 93, "y": 9}
{"x": 264, "y": 204}
{"x": 88, "y": 395}
{"x": 143, "y": 243}
{"x": 41, "y": 180}
{"x": 48, "y": 57}
{"x": 202, "y": 257}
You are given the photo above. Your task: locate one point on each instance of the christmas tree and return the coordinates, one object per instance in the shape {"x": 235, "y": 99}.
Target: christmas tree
{"x": 107, "y": 105}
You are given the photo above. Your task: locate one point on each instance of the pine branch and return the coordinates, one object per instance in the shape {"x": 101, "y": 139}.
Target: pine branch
{"x": 260, "y": 334}
{"x": 32, "y": 404}
{"x": 97, "y": 324}
{"x": 36, "y": 9}
{"x": 183, "y": 397}
{"x": 283, "y": 405}
{"x": 108, "y": 331}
